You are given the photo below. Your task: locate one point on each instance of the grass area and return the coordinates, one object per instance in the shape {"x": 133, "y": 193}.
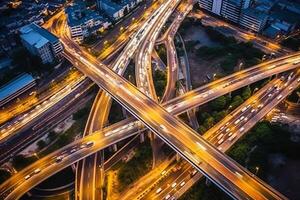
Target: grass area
{"x": 200, "y": 191}
{"x": 116, "y": 113}
{"x": 162, "y": 52}
{"x": 294, "y": 96}
{"x": 4, "y": 175}
{"x": 160, "y": 82}
{"x": 59, "y": 179}
{"x": 130, "y": 73}
{"x": 292, "y": 42}
{"x": 69, "y": 135}
{"x": 217, "y": 109}
{"x": 135, "y": 168}
{"x": 230, "y": 51}
{"x": 19, "y": 162}
{"x": 251, "y": 151}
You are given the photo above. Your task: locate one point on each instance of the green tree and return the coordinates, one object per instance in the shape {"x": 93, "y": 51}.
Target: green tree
{"x": 219, "y": 103}
{"x": 209, "y": 122}
{"x": 4, "y": 175}
{"x": 239, "y": 153}
{"x": 41, "y": 144}
{"x": 20, "y": 161}
{"x": 201, "y": 129}
{"x": 246, "y": 92}
{"x": 237, "y": 100}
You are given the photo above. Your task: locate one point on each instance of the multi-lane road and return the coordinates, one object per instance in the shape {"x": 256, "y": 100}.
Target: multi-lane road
{"x": 184, "y": 102}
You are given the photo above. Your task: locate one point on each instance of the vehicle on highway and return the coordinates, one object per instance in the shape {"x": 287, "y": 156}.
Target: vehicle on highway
{"x": 182, "y": 183}
{"x": 279, "y": 97}
{"x": 38, "y": 170}
{"x": 89, "y": 144}
{"x": 220, "y": 136}
{"x": 221, "y": 141}
{"x": 232, "y": 137}
{"x": 158, "y": 190}
{"x": 59, "y": 159}
{"x": 174, "y": 185}
{"x": 168, "y": 196}
{"x": 192, "y": 173}
{"x": 27, "y": 177}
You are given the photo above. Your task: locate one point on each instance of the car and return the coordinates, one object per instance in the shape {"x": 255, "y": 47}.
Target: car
{"x": 220, "y": 136}
{"x": 221, "y": 128}
{"x": 237, "y": 121}
{"x": 193, "y": 172}
{"x": 242, "y": 117}
{"x": 27, "y": 177}
{"x": 182, "y": 183}
{"x": 38, "y": 170}
{"x": 221, "y": 141}
{"x": 227, "y": 130}
{"x": 168, "y": 196}
{"x": 59, "y": 159}
{"x": 163, "y": 172}
{"x": 241, "y": 129}
{"x": 174, "y": 185}
{"x": 89, "y": 144}
{"x": 73, "y": 150}
{"x": 290, "y": 88}
{"x": 279, "y": 97}
{"x": 158, "y": 190}
{"x": 230, "y": 134}
{"x": 244, "y": 109}
{"x": 232, "y": 137}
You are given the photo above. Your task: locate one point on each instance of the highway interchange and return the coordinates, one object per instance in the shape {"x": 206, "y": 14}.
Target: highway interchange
{"x": 164, "y": 125}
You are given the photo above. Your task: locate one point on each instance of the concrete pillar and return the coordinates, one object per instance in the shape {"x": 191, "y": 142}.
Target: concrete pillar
{"x": 207, "y": 182}
{"x": 115, "y": 147}
{"x": 178, "y": 157}
{"x": 142, "y": 137}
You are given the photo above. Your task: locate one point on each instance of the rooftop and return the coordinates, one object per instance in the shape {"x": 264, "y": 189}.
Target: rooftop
{"x": 15, "y": 85}
{"x": 79, "y": 14}
{"x": 255, "y": 13}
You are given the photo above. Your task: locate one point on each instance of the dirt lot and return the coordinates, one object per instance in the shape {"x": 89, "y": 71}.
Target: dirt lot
{"x": 199, "y": 68}
{"x": 286, "y": 178}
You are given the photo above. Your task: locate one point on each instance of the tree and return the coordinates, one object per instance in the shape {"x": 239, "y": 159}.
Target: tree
{"x": 239, "y": 153}
{"x": 246, "y": 93}
{"x": 20, "y": 161}
{"x": 219, "y": 103}
{"x": 41, "y": 144}
{"x": 4, "y": 175}
{"x": 201, "y": 129}
{"x": 237, "y": 100}
{"x": 209, "y": 122}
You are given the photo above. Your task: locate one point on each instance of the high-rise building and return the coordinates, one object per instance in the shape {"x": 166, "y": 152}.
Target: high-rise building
{"x": 38, "y": 41}
{"x": 229, "y": 9}
{"x": 83, "y": 22}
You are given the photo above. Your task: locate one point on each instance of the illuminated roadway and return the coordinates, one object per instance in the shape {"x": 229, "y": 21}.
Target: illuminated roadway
{"x": 86, "y": 187}
{"x": 191, "y": 101}
{"x": 230, "y": 129}
{"x": 181, "y": 138}
{"x": 109, "y": 134}
{"x": 145, "y": 108}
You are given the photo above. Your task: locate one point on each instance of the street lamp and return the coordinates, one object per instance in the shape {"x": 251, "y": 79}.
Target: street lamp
{"x": 256, "y": 170}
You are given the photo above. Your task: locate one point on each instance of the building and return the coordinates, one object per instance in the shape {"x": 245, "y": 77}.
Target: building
{"x": 116, "y": 10}
{"x": 253, "y": 19}
{"x": 229, "y": 9}
{"x": 40, "y": 42}
{"x": 15, "y": 88}
{"x": 83, "y": 22}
